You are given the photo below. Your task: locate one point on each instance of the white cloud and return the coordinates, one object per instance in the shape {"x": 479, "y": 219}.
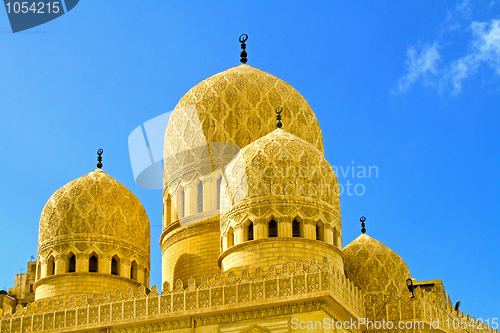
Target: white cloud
{"x": 420, "y": 65}
{"x": 485, "y": 49}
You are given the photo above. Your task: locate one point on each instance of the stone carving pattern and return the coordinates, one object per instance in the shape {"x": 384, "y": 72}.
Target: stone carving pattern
{"x": 283, "y": 173}
{"x": 235, "y": 106}
{"x": 374, "y": 267}
{"x": 400, "y": 305}
{"x": 95, "y": 204}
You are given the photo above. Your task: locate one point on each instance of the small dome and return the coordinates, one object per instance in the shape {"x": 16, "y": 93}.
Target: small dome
{"x": 95, "y": 208}
{"x": 373, "y": 267}
{"x": 235, "y": 106}
{"x": 281, "y": 171}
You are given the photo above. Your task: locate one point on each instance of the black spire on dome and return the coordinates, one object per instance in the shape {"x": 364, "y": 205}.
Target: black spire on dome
{"x": 279, "y": 109}
{"x": 243, "y": 54}
{"x": 363, "y": 219}
{"x": 99, "y": 158}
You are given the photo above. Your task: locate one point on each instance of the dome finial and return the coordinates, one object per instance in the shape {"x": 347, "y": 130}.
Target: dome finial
{"x": 363, "y": 219}
{"x": 243, "y": 54}
{"x": 99, "y": 158}
{"x": 279, "y": 109}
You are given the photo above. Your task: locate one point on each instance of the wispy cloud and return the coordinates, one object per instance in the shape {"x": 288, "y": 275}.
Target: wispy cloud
{"x": 483, "y": 49}
{"x": 420, "y": 65}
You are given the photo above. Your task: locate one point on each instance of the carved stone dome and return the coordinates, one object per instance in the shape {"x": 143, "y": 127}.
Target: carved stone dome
{"x": 95, "y": 208}
{"x": 279, "y": 192}
{"x": 280, "y": 164}
{"x": 281, "y": 167}
{"x": 235, "y": 106}
{"x": 373, "y": 267}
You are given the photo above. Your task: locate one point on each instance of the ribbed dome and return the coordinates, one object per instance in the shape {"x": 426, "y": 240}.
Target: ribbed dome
{"x": 373, "y": 267}
{"x": 282, "y": 169}
{"x": 235, "y": 106}
{"x": 95, "y": 208}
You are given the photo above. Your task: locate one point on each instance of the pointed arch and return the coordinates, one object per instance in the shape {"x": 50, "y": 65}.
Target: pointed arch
{"x": 218, "y": 184}
{"x": 51, "y": 266}
{"x": 272, "y": 227}
{"x": 199, "y": 197}
{"x": 230, "y": 237}
{"x": 115, "y": 265}
{"x": 133, "y": 270}
{"x": 71, "y": 267}
{"x": 320, "y": 231}
{"x": 249, "y": 231}
{"x": 167, "y": 211}
{"x": 296, "y": 228}
{"x": 93, "y": 262}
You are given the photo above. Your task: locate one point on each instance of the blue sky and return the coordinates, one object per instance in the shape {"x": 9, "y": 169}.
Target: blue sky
{"x": 411, "y": 87}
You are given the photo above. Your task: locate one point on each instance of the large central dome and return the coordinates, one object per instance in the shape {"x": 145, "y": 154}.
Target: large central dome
{"x": 236, "y": 106}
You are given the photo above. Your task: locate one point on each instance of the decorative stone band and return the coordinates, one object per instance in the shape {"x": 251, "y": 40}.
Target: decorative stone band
{"x": 302, "y": 284}
{"x": 226, "y": 299}
{"x": 87, "y": 243}
{"x": 176, "y": 233}
{"x": 281, "y": 207}
{"x": 426, "y": 307}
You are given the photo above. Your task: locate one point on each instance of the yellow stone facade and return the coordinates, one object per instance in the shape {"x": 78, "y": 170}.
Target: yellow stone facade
{"x": 251, "y": 241}
{"x": 94, "y": 236}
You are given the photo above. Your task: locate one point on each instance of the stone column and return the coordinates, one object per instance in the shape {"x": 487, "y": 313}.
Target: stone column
{"x": 60, "y": 264}
{"x": 140, "y": 275}
{"x": 125, "y": 268}
{"x": 259, "y": 229}
{"x": 239, "y": 234}
{"x": 175, "y": 207}
{"x": 82, "y": 263}
{"x": 189, "y": 199}
{"x": 309, "y": 229}
{"x": 209, "y": 194}
{"x": 104, "y": 264}
{"x": 284, "y": 227}
{"x": 44, "y": 269}
{"x": 329, "y": 234}
{"x": 224, "y": 242}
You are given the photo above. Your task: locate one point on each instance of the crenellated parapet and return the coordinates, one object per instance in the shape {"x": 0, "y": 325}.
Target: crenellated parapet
{"x": 309, "y": 283}
{"x": 426, "y": 307}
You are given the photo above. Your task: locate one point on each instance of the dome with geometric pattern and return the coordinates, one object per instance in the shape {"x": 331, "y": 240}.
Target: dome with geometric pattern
{"x": 373, "y": 267}
{"x": 282, "y": 171}
{"x": 236, "y": 106}
{"x": 98, "y": 209}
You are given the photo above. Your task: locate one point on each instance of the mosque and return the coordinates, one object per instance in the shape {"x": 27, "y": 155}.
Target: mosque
{"x": 251, "y": 242}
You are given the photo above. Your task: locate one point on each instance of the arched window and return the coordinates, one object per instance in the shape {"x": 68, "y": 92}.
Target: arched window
{"x": 168, "y": 211}
{"x": 51, "y": 266}
{"x": 200, "y": 197}
{"x": 218, "y": 192}
{"x": 295, "y": 228}
{"x": 72, "y": 263}
{"x": 93, "y": 263}
{"x": 38, "y": 270}
{"x": 133, "y": 270}
{"x": 250, "y": 231}
{"x": 230, "y": 237}
{"x": 181, "y": 202}
{"x": 115, "y": 265}
{"x": 320, "y": 231}
{"x": 273, "y": 228}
